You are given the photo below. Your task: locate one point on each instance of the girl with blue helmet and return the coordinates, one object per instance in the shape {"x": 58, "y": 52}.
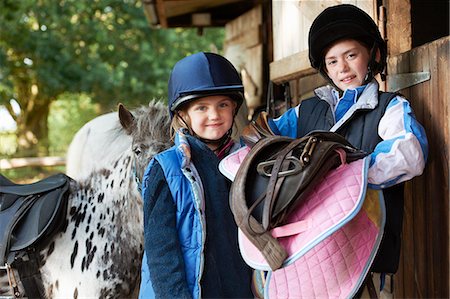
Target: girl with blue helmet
{"x": 191, "y": 248}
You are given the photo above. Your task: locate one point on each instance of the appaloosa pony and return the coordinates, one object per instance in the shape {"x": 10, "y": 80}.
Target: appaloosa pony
{"x": 86, "y": 151}
{"x": 98, "y": 254}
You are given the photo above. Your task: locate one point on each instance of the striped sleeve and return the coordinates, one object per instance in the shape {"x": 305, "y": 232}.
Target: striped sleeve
{"x": 403, "y": 152}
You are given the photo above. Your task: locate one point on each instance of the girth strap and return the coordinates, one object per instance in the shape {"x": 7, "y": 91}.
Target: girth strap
{"x": 30, "y": 275}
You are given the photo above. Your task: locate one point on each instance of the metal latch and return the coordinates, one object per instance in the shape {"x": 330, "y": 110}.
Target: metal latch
{"x": 398, "y": 82}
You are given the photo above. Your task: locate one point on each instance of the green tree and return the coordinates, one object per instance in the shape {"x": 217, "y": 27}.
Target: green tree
{"x": 101, "y": 48}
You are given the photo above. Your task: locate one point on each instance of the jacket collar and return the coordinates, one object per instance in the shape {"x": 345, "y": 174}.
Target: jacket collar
{"x": 368, "y": 100}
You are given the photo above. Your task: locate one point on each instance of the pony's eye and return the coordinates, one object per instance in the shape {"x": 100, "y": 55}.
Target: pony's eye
{"x": 137, "y": 151}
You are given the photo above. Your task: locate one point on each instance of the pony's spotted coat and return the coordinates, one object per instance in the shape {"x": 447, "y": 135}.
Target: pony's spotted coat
{"x": 98, "y": 253}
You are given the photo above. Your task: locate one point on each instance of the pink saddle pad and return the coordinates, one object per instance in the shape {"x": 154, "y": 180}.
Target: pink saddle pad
{"x": 331, "y": 239}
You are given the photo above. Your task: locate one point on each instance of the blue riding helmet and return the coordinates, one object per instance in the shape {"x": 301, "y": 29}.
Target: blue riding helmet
{"x": 203, "y": 74}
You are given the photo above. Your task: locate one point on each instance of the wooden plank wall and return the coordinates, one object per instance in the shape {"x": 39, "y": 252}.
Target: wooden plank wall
{"x": 244, "y": 48}
{"x": 424, "y": 267}
{"x": 292, "y": 20}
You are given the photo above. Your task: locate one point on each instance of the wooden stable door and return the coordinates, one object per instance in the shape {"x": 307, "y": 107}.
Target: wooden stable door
{"x": 424, "y": 266}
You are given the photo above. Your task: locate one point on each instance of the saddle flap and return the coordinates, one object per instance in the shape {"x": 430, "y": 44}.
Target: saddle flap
{"x": 37, "y": 220}
{"x": 26, "y": 220}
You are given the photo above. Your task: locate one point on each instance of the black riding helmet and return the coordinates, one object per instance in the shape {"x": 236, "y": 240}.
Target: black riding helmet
{"x": 200, "y": 75}
{"x": 341, "y": 22}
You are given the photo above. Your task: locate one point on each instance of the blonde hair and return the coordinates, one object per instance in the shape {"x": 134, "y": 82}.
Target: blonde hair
{"x": 179, "y": 123}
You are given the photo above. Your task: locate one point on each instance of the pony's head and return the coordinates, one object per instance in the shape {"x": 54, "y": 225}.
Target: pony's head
{"x": 149, "y": 128}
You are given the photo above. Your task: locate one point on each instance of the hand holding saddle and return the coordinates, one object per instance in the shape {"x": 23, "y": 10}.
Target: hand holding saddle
{"x": 276, "y": 176}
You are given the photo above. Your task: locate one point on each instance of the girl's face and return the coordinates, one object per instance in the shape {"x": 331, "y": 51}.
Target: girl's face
{"x": 210, "y": 117}
{"x": 346, "y": 63}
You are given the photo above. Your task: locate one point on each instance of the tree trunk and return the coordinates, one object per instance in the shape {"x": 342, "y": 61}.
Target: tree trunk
{"x": 32, "y": 126}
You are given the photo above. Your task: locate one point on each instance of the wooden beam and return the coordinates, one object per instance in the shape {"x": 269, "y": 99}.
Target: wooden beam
{"x": 398, "y": 26}
{"x": 35, "y": 161}
{"x": 292, "y": 67}
{"x": 173, "y": 8}
{"x": 161, "y": 12}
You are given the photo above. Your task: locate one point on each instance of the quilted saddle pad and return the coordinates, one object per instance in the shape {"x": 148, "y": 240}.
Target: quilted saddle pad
{"x": 331, "y": 239}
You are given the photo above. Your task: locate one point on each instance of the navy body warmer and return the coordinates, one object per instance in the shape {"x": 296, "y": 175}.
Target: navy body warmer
{"x": 361, "y": 131}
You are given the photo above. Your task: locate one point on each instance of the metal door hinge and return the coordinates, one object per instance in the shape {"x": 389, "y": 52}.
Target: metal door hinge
{"x": 398, "y": 82}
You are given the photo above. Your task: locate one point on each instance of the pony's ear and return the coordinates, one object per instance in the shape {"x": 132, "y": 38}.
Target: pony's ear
{"x": 126, "y": 119}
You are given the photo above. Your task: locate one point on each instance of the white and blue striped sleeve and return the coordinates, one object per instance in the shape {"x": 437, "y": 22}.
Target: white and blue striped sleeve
{"x": 286, "y": 124}
{"x": 403, "y": 152}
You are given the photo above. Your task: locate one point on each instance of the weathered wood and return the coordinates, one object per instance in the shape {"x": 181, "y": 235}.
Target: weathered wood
{"x": 239, "y": 26}
{"x": 161, "y": 12}
{"x": 398, "y": 26}
{"x": 174, "y": 8}
{"x": 424, "y": 269}
{"x": 292, "y": 67}
{"x": 244, "y": 47}
{"x": 250, "y": 38}
{"x": 292, "y": 20}
{"x": 419, "y": 60}
{"x": 35, "y": 161}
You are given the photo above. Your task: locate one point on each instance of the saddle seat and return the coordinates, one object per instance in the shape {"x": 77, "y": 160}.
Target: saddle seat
{"x": 30, "y": 213}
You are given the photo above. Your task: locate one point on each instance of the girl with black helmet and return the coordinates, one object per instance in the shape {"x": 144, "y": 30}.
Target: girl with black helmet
{"x": 346, "y": 47}
{"x": 191, "y": 248}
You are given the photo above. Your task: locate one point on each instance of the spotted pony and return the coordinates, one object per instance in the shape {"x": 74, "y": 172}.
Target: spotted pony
{"x": 98, "y": 253}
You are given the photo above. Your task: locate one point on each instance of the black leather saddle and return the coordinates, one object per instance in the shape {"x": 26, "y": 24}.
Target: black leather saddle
{"x": 30, "y": 213}
{"x": 276, "y": 176}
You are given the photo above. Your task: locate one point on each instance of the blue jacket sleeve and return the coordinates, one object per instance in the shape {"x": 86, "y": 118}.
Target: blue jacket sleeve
{"x": 162, "y": 246}
{"x": 286, "y": 124}
{"x": 403, "y": 152}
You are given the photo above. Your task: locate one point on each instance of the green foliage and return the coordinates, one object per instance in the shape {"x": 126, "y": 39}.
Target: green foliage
{"x": 104, "y": 48}
{"x": 100, "y": 49}
{"x": 67, "y": 115}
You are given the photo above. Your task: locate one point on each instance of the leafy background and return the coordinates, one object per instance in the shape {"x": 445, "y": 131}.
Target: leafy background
{"x": 65, "y": 62}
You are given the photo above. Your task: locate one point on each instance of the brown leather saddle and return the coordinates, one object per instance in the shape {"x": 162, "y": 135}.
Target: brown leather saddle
{"x": 275, "y": 176}
{"x": 30, "y": 214}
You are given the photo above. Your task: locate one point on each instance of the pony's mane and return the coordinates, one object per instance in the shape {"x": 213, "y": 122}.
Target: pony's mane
{"x": 152, "y": 120}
